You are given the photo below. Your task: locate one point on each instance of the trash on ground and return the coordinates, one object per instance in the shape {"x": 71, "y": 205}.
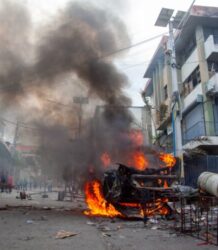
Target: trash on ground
{"x": 106, "y": 235}
{"x": 62, "y": 234}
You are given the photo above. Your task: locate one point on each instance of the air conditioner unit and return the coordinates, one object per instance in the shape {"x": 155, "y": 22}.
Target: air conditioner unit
{"x": 199, "y": 98}
{"x": 210, "y": 88}
{"x": 148, "y": 100}
{"x": 169, "y": 130}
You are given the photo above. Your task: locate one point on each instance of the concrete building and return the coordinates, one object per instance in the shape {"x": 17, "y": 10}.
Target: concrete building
{"x": 196, "y": 45}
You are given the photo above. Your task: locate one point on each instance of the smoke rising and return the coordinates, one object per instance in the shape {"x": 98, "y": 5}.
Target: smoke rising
{"x": 15, "y": 28}
{"x": 83, "y": 36}
{"x": 74, "y": 45}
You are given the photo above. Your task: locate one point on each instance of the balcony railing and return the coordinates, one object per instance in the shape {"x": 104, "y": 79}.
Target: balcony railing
{"x": 199, "y": 129}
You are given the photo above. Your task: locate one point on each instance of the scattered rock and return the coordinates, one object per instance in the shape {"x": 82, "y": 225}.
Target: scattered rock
{"x": 90, "y": 223}
{"x": 104, "y": 228}
{"x": 47, "y": 208}
{"x": 29, "y": 221}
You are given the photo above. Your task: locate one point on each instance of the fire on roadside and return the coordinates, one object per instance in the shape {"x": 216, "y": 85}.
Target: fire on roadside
{"x": 157, "y": 207}
{"x": 96, "y": 203}
{"x": 98, "y": 206}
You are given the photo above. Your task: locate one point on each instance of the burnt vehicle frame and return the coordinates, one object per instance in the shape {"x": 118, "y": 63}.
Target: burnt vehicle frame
{"x": 128, "y": 189}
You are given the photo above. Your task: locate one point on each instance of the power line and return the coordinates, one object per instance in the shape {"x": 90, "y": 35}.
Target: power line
{"x": 163, "y": 64}
{"x": 12, "y": 85}
{"x": 21, "y": 124}
{"x": 132, "y": 46}
{"x": 59, "y": 103}
{"x": 25, "y": 125}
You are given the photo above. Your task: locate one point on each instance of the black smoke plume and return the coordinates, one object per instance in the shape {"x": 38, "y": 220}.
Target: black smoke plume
{"x": 78, "y": 41}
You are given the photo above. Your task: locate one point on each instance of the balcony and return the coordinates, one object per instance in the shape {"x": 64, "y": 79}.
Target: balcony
{"x": 192, "y": 96}
{"x": 211, "y": 46}
{"x": 198, "y": 130}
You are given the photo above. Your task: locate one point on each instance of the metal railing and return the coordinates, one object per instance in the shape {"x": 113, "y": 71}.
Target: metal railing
{"x": 199, "y": 218}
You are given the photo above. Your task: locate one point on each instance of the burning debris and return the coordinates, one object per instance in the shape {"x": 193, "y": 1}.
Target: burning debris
{"x": 97, "y": 204}
{"x": 125, "y": 189}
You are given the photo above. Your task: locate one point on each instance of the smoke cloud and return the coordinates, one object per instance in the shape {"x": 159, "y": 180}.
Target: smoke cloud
{"x": 75, "y": 45}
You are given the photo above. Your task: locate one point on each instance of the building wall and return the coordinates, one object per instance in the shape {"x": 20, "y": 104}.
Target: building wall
{"x": 193, "y": 76}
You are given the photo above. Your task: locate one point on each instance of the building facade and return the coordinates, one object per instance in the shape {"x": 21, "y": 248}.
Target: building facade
{"x": 196, "y": 45}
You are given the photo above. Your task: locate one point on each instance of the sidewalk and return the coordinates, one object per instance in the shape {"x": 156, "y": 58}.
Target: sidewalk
{"x": 12, "y": 200}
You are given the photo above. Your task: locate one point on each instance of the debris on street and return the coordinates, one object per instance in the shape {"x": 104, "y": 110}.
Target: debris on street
{"x": 62, "y": 234}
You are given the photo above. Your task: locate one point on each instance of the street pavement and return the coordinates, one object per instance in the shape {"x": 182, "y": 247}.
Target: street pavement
{"x": 34, "y": 225}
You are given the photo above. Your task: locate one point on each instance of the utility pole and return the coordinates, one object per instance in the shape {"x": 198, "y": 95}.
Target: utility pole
{"x": 16, "y": 135}
{"x": 2, "y": 129}
{"x": 80, "y": 100}
{"x": 176, "y": 104}
{"x": 165, "y": 18}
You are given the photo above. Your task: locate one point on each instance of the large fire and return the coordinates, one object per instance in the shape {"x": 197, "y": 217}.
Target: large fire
{"x": 97, "y": 205}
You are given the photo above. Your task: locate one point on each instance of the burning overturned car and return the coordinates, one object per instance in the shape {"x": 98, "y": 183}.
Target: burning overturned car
{"x": 126, "y": 190}
{"x": 126, "y": 187}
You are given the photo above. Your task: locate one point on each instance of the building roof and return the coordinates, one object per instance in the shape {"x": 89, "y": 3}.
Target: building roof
{"x": 148, "y": 90}
{"x": 204, "y": 15}
{"x": 199, "y": 15}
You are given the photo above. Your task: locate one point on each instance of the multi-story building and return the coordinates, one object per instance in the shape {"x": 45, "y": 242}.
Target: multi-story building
{"x": 196, "y": 45}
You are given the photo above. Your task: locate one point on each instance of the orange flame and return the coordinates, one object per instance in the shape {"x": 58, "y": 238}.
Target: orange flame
{"x": 151, "y": 208}
{"x": 106, "y": 160}
{"x": 168, "y": 159}
{"x": 138, "y": 160}
{"x": 97, "y": 205}
{"x": 157, "y": 207}
{"x": 165, "y": 184}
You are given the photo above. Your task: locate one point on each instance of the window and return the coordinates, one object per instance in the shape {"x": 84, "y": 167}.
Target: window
{"x": 192, "y": 81}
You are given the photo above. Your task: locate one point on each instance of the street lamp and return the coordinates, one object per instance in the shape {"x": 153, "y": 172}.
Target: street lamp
{"x": 165, "y": 18}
